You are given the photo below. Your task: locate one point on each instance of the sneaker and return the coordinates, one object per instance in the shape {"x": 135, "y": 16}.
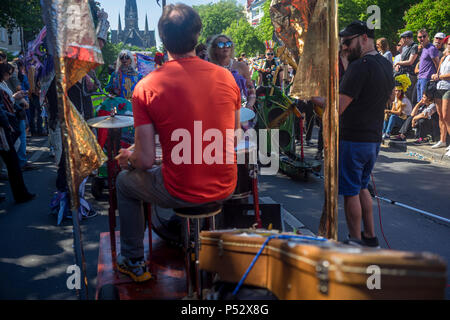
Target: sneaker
{"x": 398, "y": 138}
{"x": 353, "y": 241}
{"x": 386, "y": 136}
{"x": 448, "y": 148}
{"x": 440, "y": 144}
{"x": 137, "y": 270}
{"x": 370, "y": 242}
{"x": 90, "y": 214}
{"x": 447, "y": 154}
{"x": 419, "y": 141}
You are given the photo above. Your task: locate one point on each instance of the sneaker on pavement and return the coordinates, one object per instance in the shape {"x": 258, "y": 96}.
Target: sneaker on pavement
{"x": 370, "y": 242}
{"x": 398, "y": 138}
{"x": 447, "y": 154}
{"x": 419, "y": 141}
{"x": 448, "y": 148}
{"x": 440, "y": 144}
{"x": 137, "y": 270}
{"x": 353, "y": 241}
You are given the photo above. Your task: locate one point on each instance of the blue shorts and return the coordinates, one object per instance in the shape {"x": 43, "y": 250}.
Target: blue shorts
{"x": 356, "y": 161}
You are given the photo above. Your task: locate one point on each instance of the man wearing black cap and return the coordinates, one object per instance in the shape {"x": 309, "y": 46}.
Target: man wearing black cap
{"x": 408, "y": 61}
{"x": 364, "y": 91}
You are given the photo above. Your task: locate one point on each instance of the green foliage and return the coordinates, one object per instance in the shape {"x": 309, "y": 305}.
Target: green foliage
{"x": 245, "y": 38}
{"x": 391, "y": 15}
{"x": 433, "y": 15}
{"x": 216, "y": 17}
{"x": 265, "y": 28}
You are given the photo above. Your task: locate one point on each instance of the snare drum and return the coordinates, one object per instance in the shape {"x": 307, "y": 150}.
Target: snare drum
{"x": 246, "y": 155}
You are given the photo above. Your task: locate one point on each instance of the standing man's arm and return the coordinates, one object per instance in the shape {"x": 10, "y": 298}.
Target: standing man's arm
{"x": 344, "y": 102}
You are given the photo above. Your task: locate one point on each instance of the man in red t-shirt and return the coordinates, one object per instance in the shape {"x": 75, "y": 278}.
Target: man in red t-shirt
{"x": 193, "y": 106}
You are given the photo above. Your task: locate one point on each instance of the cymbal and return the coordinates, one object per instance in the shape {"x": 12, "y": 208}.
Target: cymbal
{"x": 109, "y": 122}
{"x": 246, "y": 114}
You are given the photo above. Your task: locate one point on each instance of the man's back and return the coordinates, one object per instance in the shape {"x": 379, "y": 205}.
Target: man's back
{"x": 369, "y": 81}
{"x": 188, "y": 97}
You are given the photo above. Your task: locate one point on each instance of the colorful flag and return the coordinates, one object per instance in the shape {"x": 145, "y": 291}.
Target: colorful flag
{"x": 73, "y": 42}
{"x": 145, "y": 64}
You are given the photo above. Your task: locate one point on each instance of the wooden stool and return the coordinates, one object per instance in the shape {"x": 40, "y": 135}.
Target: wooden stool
{"x": 208, "y": 210}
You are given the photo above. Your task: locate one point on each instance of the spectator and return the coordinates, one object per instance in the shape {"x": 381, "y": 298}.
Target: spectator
{"x": 383, "y": 48}
{"x": 428, "y": 63}
{"x": 408, "y": 61}
{"x": 399, "y": 112}
{"x": 363, "y": 93}
{"x": 8, "y": 134}
{"x": 443, "y": 97}
{"x": 420, "y": 108}
{"x": 398, "y": 57}
{"x": 201, "y": 51}
{"x": 125, "y": 77}
{"x": 422, "y": 122}
{"x": 438, "y": 42}
{"x": 3, "y": 57}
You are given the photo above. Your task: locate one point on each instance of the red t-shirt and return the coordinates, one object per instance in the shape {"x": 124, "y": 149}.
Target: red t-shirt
{"x": 175, "y": 96}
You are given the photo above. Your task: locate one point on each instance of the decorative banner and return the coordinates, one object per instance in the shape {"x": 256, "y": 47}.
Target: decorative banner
{"x": 308, "y": 29}
{"x": 145, "y": 64}
{"x": 71, "y": 35}
{"x": 302, "y": 26}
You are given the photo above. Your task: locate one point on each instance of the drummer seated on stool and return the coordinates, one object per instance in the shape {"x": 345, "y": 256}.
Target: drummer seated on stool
{"x": 183, "y": 100}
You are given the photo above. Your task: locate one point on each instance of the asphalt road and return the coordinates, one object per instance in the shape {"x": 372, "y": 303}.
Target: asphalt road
{"x": 36, "y": 253}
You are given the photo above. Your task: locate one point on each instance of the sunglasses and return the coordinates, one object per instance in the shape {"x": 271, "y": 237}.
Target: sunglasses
{"x": 421, "y": 37}
{"x": 222, "y": 45}
{"x": 269, "y": 54}
{"x": 348, "y": 41}
{"x": 124, "y": 58}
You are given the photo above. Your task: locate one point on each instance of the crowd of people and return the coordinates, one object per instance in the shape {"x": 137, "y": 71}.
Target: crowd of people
{"x": 378, "y": 89}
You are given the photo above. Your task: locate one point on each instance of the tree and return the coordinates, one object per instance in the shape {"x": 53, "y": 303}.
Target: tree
{"x": 391, "y": 15}
{"x": 265, "y": 28}
{"x": 216, "y": 17}
{"x": 245, "y": 38}
{"x": 434, "y": 15}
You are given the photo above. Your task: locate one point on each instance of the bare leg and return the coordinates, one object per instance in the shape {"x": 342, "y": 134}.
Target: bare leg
{"x": 446, "y": 114}
{"x": 367, "y": 213}
{"x": 353, "y": 213}
{"x": 442, "y": 126}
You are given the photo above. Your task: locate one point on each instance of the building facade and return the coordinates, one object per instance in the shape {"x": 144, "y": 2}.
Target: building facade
{"x": 131, "y": 34}
{"x": 10, "y": 41}
{"x": 255, "y": 11}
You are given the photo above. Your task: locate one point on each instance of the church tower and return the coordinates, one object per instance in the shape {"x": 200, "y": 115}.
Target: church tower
{"x": 131, "y": 15}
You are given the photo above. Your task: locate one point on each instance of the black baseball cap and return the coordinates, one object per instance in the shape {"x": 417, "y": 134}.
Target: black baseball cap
{"x": 357, "y": 27}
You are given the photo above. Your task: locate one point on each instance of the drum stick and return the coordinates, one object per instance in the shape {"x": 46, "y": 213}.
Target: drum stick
{"x": 130, "y": 148}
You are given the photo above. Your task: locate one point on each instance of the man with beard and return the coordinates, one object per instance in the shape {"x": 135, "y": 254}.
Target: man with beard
{"x": 364, "y": 91}
{"x": 438, "y": 42}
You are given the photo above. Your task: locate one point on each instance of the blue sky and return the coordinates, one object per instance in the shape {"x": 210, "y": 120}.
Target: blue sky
{"x": 149, "y": 7}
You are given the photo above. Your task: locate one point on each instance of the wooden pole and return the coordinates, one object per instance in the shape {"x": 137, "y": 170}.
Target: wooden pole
{"x": 328, "y": 221}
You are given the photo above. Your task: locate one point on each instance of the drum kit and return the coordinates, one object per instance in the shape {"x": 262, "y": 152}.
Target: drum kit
{"x": 163, "y": 221}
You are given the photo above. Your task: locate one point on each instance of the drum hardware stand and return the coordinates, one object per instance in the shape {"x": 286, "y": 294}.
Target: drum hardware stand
{"x": 254, "y": 177}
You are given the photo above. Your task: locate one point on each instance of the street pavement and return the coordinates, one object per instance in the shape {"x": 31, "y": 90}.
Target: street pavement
{"x": 36, "y": 252}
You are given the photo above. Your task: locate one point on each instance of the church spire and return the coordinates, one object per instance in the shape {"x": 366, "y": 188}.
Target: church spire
{"x": 120, "y": 24}
{"x": 146, "y": 24}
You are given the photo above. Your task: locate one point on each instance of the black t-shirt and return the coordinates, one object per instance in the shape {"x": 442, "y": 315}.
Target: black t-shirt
{"x": 369, "y": 81}
{"x": 408, "y": 51}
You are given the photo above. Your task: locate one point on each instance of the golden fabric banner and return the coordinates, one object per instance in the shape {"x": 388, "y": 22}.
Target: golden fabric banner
{"x": 72, "y": 39}
{"x": 302, "y": 26}
{"x": 308, "y": 29}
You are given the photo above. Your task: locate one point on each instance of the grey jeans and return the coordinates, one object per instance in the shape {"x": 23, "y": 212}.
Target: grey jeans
{"x": 133, "y": 188}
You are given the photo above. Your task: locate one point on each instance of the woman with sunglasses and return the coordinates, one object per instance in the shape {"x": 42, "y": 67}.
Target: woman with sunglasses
{"x": 221, "y": 52}
{"x": 125, "y": 77}
{"x": 269, "y": 68}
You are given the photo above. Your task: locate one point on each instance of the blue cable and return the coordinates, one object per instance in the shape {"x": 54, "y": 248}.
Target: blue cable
{"x": 281, "y": 236}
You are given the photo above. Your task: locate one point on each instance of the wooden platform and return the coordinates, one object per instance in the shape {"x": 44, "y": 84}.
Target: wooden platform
{"x": 167, "y": 269}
